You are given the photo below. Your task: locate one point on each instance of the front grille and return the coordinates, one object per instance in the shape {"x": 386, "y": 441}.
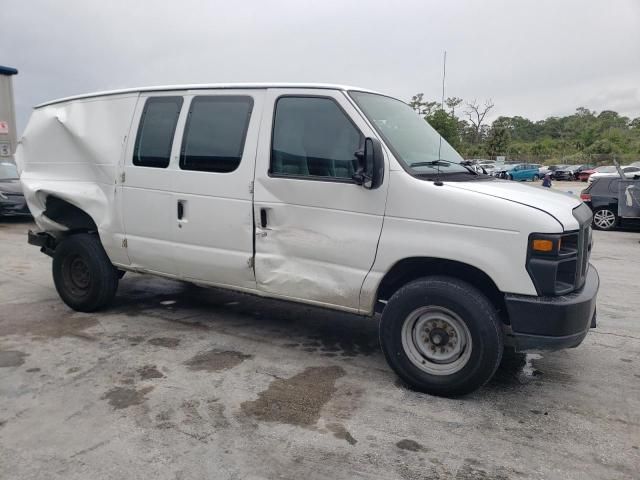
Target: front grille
{"x": 583, "y": 215}
{"x": 584, "y": 253}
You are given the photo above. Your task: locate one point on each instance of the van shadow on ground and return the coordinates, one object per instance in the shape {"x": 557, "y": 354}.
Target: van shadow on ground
{"x": 313, "y": 330}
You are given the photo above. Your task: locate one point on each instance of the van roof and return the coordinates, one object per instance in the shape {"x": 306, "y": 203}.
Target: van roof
{"x": 205, "y": 86}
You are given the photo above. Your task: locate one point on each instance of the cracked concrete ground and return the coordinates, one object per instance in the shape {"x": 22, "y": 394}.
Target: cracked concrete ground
{"x": 177, "y": 382}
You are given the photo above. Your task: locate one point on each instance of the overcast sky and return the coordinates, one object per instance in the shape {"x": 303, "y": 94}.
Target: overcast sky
{"x": 532, "y": 57}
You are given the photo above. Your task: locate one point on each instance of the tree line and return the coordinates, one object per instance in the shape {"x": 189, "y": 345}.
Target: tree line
{"x": 464, "y": 126}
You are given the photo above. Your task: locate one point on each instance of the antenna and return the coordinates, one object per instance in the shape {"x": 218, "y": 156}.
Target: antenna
{"x": 444, "y": 72}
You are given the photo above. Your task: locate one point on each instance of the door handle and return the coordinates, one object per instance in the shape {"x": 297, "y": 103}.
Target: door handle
{"x": 180, "y": 209}
{"x": 263, "y": 218}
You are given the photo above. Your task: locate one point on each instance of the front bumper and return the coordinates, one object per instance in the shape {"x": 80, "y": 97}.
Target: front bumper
{"x": 553, "y": 323}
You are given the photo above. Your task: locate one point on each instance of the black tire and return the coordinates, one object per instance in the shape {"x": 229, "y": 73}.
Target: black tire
{"x": 535, "y": 178}
{"x": 83, "y": 274}
{"x": 509, "y": 176}
{"x": 601, "y": 224}
{"x": 471, "y": 307}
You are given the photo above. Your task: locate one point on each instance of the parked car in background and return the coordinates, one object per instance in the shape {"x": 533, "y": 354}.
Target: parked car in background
{"x": 601, "y": 196}
{"x": 480, "y": 165}
{"x": 584, "y": 175}
{"x": 12, "y": 202}
{"x": 481, "y": 160}
{"x": 629, "y": 171}
{"x": 521, "y": 172}
{"x": 569, "y": 172}
{"x": 487, "y": 167}
{"x": 473, "y": 166}
{"x": 558, "y": 168}
{"x": 564, "y": 172}
{"x": 494, "y": 169}
{"x": 543, "y": 170}
{"x": 580, "y": 169}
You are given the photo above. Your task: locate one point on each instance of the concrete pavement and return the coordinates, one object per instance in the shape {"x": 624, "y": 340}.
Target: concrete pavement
{"x": 177, "y": 382}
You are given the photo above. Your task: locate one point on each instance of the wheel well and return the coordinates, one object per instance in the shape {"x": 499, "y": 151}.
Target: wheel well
{"x": 72, "y": 217}
{"x": 411, "y": 269}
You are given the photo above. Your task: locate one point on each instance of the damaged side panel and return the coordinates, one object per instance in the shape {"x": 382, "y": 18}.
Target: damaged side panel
{"x": 316, "y": 254}
{"x": 69, "y": 163}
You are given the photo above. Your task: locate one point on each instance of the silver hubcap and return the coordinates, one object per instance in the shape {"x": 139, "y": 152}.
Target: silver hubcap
{"x": 604, "y": 219}
{"x": 436, "y": 340}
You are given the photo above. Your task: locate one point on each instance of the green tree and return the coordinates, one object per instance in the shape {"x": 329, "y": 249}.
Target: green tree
{"x": 452, "y": 103}
{"x": 422, "y": 106}
{"x": 582, "y": 133}
{"x": 446, "y": 125}
{"x": 498, "y": 140}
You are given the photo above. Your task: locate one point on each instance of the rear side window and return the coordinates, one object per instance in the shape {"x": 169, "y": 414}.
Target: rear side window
{"x": 604, "y": 186}
{"x": 215, "y": 133}
{"x": 155, "y": 132}
{"x": 614, "y": 185}
{"x": 313, "y": 137}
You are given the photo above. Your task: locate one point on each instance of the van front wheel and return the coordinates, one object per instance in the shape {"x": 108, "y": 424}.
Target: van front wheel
{"x": 83, "y": 274}
{"x": 441, "y": 336}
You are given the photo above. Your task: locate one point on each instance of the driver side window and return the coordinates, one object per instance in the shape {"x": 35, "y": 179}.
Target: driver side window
{"x": 312, "y": 137}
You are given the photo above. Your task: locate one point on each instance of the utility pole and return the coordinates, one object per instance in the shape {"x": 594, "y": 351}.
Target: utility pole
{"x": 8, "y": 133}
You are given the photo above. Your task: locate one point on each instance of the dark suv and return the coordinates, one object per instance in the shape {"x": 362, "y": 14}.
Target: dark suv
{"x": 602, "y": 197}
{"x": 11, "y": 197}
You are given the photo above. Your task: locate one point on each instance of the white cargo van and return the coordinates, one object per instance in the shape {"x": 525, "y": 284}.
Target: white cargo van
{"x": 333, "y": 196}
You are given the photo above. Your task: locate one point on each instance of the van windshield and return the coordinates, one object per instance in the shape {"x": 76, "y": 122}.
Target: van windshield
{"x": 411, "y": 139}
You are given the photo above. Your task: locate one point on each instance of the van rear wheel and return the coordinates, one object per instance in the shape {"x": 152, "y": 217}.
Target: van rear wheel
{"x": 441, "y": 336}
{"x": 83, "y": 274}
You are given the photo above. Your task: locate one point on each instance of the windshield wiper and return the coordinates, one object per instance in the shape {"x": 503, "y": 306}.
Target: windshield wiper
{"x": 442, "y": 163}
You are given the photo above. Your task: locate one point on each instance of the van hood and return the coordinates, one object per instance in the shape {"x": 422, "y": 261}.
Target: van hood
{"x": 559, "y": 205}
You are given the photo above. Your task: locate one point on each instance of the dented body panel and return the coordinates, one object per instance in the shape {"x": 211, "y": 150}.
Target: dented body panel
{"x": 73, "y": 151}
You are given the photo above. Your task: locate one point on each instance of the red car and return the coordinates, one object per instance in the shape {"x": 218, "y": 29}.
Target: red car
{"x": 584, "y": 175}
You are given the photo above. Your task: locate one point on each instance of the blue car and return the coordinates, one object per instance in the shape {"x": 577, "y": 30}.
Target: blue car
{"x": 523, "y": 172}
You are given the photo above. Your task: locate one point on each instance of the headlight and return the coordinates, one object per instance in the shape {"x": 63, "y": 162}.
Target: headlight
{"x": 552, "y": 262}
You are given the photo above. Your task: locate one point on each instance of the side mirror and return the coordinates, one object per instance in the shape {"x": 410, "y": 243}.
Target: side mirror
{"x": 370, "y": 170}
